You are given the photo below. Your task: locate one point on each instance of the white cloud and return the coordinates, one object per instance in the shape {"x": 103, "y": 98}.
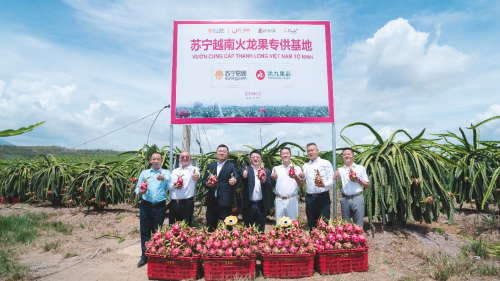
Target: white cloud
{"x": 492, "y": 111}
{"x": 398, "y": 57}
{"x": 385, "y": 117}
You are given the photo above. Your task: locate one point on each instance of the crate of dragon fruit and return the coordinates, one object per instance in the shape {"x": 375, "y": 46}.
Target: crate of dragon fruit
{"x": 180, "y": 268}
{"x": 174, "y": 253}
{"x": 341, "y": 247}
{"x": 287, "y": 251}
{"x": 230, "y": 254}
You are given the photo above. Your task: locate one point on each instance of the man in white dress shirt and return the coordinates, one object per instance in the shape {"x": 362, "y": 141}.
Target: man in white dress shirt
{"x": 352, "y": 203}
{"x": 182, "y": 195}
{"x": 286, "y": 203}
{"x": 318, "y": 193}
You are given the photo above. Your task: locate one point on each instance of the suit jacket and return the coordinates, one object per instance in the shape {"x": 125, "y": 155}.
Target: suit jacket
{"x": 249, "y": 184}
{"x": 225, "y": 191}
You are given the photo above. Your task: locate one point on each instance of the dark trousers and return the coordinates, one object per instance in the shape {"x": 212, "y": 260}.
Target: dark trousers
{"x": 315, "y": 207}
{"x": 254, "y": 213}
{"x": 151, "y": 218}
{"x": 216, "y": 212}
{"x": 182, "y": 211}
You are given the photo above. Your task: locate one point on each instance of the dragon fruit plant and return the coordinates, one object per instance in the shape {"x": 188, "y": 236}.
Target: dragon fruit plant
{"x": 337, "y": 235}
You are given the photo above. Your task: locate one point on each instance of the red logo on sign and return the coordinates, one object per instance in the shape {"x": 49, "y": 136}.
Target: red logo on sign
{"x": 260, "y": 74}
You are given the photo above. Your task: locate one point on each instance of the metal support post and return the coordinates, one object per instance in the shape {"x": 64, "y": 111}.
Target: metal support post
{"x": 171, "y": 154}
{"x": 334, "y": 151}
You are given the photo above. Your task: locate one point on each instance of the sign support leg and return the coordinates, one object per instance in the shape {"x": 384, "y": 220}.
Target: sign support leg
{"x": 334, "y": 152}
{"x": 171, "y": 154}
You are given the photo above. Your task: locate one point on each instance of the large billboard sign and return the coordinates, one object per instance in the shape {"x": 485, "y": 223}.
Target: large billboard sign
{"x": 252, "y": 72}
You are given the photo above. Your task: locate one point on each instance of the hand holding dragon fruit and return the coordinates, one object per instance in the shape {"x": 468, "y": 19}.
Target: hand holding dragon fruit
{"x": 352, "y": 174}
{"x": 318, "y": 179}
{"x": 179, "y": 182}
{"x": 261, "y": 173}
{"x": 144, "y": 184}
{"x": 291, "y": 172}
{"x": 212, "y": 179}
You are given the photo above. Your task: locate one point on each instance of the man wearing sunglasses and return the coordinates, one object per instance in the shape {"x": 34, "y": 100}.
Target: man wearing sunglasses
{"x": 182, "y": 191}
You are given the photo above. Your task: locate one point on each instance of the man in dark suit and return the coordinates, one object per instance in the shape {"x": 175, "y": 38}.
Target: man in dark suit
{"x": 255, "y": 198}
{"x": 220, "y": 194}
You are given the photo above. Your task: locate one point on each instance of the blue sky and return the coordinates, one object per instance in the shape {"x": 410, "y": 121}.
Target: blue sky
{"x": 90, "y": 67}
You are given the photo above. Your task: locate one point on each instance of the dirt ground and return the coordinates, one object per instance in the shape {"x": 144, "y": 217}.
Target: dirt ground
{"x": 395, "y": 252}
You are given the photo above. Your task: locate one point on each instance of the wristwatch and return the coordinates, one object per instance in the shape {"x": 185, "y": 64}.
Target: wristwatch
{"x": 358, "y": 180}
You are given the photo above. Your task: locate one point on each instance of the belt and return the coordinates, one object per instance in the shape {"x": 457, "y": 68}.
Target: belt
{"x": 285, "y": 197}
{"x": 352, "y": 196}
{"x": 256, "y": 202}
{"x": 182, "y": 200}
{"x": 153, "y": 204}
{"x": 318, "y": 194}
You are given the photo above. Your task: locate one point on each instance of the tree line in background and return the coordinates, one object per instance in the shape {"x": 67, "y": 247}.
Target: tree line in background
{"x": 413, "y": 180}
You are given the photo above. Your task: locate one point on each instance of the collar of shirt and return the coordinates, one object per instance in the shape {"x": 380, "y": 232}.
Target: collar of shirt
{"x": 221, "y": 164}
{"x": 188, "y": 167}
{"x": 315, "y": 160}
{"x": 353, "y": 166}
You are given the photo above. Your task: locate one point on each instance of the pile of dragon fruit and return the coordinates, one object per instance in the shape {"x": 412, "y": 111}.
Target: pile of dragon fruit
{"x": 177, "y": 240}
{"x": 237, "y": 242}
{"x": 337, "y": 235}
{"x": 286, "y": 240}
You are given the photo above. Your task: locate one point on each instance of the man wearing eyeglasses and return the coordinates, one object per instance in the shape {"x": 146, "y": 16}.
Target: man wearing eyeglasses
{"x": 182, "y": 194}
{"x": 318, "y": 174}
{"x": 255, "y": 197}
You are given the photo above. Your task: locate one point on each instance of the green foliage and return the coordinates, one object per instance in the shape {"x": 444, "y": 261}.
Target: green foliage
{"x": 475, "y": 167}
{"x": 403, "y": 176}
{"x": 10, "y": 133}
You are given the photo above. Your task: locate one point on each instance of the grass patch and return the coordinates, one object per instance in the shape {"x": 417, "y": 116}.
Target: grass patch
{"x": 464, "y": 265}
{"x": 9, "y": 268}
{"x": 17, "y": 230}
{"x": 48, "y": 246}
{"x": 82, "y": 226}
{"x": 70, "y": 254}
{"x": 122, "y": 216}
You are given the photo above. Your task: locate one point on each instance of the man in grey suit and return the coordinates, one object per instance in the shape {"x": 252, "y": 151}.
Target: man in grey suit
{"x": 255, "y": 197}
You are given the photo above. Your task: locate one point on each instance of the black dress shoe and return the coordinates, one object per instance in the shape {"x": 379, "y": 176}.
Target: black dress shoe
{"x": 142, "y": 262}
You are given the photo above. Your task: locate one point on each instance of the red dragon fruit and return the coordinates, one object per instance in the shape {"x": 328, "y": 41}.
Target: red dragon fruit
{"x": 212, "y": 252}
{"x": 180, "y": 181}
{"x": 338, "y": 245}
{"x": 293, "y": 249}
{"x": 225, "y": 244}
{"x": 358, "y": 229}
{"x": 318, "y": 179}
{"x": 176, "y": 252}
{"x": 261, "y": 173}
{"x": 278, "y": 243}
{"x": 296, "y": 224}
{"x": 346, "y": 237}
{"x": 321, "y": 224}
{"x": 287, "y": 243}
{"x": 348, "y": 228}
{"x": 220, "y": 252}
{"x": 247, "y": 251}
{"x": 352, "y": 174}
{"x": 229, "y": 252}
{"x": 217, "y": 244}
{"x": 328, "y": 246}
{"x": 331, "y": 238}
{"x": 362, "y": 239}
{"x": 212, "y": 179}
{"x": 347, "y": 245}
{"x": 284, "y": 250}
{"x": 354, "y": 238}
{"x": 236, "y": 233}
{"x": 209, "y": 244}
{"x": 291, "y": 172}
{"x": 238, "y": 252}
{"x": 144, "y": 185}
{"x": 187, "y": 252}
{"x": 176, "y": 228}
{"x": 340, "y": 229}
{"x": 235, "y": 243}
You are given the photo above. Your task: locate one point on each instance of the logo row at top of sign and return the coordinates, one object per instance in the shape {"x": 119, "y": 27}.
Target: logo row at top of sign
{"x": 255, "y": 30}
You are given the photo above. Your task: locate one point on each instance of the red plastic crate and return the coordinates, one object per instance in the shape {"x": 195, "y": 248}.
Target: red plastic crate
{"x": 179, "y": 268}
{"x": 342, "y": 261}
{"x": 288, "y": 266}
{"x": 227, "y": 268}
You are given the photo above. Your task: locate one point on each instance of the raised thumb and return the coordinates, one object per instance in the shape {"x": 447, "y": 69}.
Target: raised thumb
{"x": 246, "y": 168}
{"x": 232, "y": 175}
{"x": 194, "y": 171}
{"x": 160, "y": 171}
{"x": 337, "y": 169}
{"x": 274, "y": 171}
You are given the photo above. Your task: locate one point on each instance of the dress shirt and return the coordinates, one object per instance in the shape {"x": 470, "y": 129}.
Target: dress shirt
{"x": 285, "y": 185}
{"x": 326, "y": 171}
{"x": 156, "y": 188}
{"x": 219, "y": 167}
{"x": 350, "y": 187}
{"x": 257, "y": 189}
{"x": 188, "y": 184}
